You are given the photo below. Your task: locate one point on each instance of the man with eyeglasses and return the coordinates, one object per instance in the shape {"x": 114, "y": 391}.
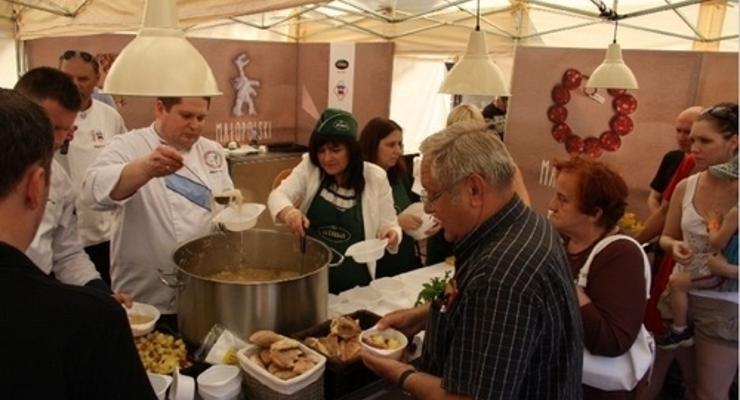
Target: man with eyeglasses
{"x": 96, "y": 123}
{"x": 57, "y": 248}
{"x": 508, "y": 325}
{"x": 161, "y": 181}
{"x": 58, "y": 341}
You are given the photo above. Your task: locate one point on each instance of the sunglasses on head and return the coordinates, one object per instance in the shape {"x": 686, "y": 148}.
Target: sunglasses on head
{"x": 85, "y": 56}
{"x": 723, "y": 113}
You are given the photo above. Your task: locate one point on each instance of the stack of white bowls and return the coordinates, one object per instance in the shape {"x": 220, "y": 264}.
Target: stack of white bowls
{"x": 220, "y": 382}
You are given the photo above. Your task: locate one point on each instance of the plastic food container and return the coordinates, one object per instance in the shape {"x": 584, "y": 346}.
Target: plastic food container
{"x": 159, "y": 383}
{"x": 260, "y": 384}
{"x": 427, "y": 220}
{"x": 237, "y": 218}
{"x": 386, "y": 334}
{"x": 219, "y": 382}
{"x": 182, "y": 388}
{"x": 367, "y": 250}
{"x": 145, "y": 311}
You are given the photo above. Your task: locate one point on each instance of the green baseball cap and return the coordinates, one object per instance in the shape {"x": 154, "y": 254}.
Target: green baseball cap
{"x": 336, "y": 122}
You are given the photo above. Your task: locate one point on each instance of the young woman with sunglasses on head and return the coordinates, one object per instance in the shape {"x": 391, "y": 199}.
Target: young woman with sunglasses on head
{"x": 713, "y": 312}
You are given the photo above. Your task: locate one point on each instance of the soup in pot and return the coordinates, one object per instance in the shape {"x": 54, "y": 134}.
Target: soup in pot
{"x": 253, "y": 275}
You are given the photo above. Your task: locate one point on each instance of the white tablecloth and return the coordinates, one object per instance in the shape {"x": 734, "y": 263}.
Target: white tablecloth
{"x": 384, "y": 295}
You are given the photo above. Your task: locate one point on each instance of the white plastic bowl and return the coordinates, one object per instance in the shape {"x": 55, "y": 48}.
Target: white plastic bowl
{"x": 427, "y": 220}
{"x": 159, "y": 383}
{"x": 146, "y": 310}
{"x": 387, "y": 333}
{"x": 367, "y": 250}
{"x": 225, "y": 393}
{"x": 219, "y": 380}
{"x": 239, "y": 218}
{"x": 182, "y": 388}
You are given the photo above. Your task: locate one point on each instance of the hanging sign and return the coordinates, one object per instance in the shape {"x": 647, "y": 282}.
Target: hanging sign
{"x": 341, "y": 75}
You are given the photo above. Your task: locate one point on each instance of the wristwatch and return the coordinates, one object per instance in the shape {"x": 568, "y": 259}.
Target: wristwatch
{"x": 405, "y": 375}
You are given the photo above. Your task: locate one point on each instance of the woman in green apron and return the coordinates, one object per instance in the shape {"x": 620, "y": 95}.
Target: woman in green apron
{"x": 335, "y": 197}
{"x": 382, "y": 144}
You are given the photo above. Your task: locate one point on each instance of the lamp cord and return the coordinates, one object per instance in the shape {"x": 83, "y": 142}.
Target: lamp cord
{"x": 616, "y": 25}
{"x": 477, "y": 16}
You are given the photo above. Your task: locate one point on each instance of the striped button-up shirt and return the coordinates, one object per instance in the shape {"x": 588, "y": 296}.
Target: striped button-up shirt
{"x": 513, "y": 331}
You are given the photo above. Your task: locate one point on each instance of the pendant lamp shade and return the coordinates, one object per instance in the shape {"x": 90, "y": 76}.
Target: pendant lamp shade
{"x": 160, "y": 61}
{"x": 475, "y": 73}
{"x": 613, "y": 73}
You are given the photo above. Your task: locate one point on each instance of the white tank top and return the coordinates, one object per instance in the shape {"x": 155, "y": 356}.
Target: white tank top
{"x": 694, "y": 230}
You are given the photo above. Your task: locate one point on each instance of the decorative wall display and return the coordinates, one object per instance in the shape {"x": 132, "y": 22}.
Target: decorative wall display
{"x": 245, "y": 88}
{"x": 341, "y": 75}
{"x": 640, "y": 123}
{"x": 620, "y": 124}
{"x": 263, "y": 83}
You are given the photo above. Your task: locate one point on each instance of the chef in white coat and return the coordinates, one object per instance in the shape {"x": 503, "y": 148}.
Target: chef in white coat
{"x": 161, "y": 180}
{"x": 57, "y": 248}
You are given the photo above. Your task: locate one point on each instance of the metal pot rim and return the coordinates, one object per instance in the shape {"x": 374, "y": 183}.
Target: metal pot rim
{"x": 256, "y": 283}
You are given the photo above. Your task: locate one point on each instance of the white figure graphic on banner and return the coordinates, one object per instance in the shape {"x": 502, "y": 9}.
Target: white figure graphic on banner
{"x": 340, "y": 90}
{"x": 244, "y": 88}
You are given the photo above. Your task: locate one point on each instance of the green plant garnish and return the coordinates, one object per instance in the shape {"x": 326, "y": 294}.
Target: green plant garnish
{"x": 430, "y": 290}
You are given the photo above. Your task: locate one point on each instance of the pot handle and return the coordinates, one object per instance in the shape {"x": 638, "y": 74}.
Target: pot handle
{"x": 341, "y": 258}
{"x": 174, "y": 285}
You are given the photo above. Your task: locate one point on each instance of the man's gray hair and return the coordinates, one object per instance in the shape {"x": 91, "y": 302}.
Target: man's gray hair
{"x": 466, "y": 148}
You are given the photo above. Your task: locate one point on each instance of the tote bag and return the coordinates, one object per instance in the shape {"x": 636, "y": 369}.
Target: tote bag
{"x": 625, "y": 371}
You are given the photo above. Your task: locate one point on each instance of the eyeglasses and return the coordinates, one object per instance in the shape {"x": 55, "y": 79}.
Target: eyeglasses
{"x": 428, "y": 200}
{"x": 85, "y": 56}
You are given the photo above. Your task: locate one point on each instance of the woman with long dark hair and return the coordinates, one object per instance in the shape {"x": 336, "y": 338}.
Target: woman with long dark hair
{"x": 381, "y": 142}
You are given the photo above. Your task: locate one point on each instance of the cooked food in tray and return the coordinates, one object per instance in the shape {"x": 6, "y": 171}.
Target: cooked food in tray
{"x": 342, "y": 343}
{"x": 280, "y": 356}
{"x": 161, "y": 353}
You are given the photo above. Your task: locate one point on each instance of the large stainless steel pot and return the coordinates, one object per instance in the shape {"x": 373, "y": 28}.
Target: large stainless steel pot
{"x": 285, "y": 306}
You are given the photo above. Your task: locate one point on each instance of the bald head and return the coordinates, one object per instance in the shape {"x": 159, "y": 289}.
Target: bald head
{"x": 683, "y": 124}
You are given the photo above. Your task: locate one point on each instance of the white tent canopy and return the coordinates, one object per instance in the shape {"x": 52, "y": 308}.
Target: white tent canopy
{"x": 420, "y": 29}
{"x": 416, "y": 26}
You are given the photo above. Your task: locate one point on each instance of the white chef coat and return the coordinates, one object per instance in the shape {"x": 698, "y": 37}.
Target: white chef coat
{"x": 56, "y": 246}
{"x": 96, "y": 126}
{"x": 154, "y": 220}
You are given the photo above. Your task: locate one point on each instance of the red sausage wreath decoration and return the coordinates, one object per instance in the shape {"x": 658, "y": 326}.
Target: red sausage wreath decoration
{"x": 620, "y": 124}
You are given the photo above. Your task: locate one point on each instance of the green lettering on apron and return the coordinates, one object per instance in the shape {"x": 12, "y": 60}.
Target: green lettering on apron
{"x": 406, "y": 259}
{"x": 339, "y": 229}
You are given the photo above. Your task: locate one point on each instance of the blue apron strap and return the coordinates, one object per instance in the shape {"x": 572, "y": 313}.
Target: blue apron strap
{"x": 195, "y": 192}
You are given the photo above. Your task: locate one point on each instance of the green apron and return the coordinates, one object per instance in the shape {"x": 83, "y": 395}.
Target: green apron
{"x": 406, "y": 259}
{"x": 339, "y": 229}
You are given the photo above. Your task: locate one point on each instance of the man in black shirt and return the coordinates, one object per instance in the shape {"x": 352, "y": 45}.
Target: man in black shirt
{"x": 58, "y": 341}
{"x": 672, "y": 159}
{"x": 508, "y": 325}
{"x": 495, "y": 113}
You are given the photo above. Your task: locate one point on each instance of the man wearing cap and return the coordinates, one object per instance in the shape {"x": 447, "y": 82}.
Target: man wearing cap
{"x": 161, "y": 180}
{"x": 337, "y": 198}
{"x": 96, "y": 124}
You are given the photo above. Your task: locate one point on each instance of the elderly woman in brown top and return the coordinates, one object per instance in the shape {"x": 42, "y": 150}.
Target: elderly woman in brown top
{"x": 590, "y": 198}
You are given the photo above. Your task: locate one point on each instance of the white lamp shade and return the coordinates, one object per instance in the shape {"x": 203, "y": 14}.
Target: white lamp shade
{"x": 613, "y": 73}
{"x": 160, "y": 61}
{"x": 475, "y": 73}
